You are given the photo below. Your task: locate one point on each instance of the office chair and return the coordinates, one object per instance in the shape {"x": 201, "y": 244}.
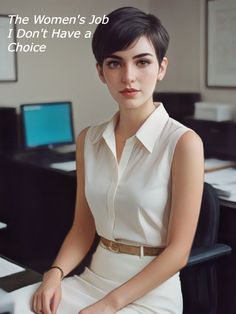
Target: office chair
{"x": 199, "y": 277}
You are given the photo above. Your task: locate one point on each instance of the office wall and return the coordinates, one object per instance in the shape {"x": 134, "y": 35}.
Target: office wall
{"x": 226, "y": 95}
{"x": 182, "y": 20}
{"x": 185, "y": 21}
{"x": 66, "y": 71}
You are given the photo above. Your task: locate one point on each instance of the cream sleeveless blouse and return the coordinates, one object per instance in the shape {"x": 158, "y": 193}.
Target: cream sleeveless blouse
{"x": 131, "y": 201}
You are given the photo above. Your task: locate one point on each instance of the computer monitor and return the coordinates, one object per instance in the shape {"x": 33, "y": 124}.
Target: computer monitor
{"x": 47, "y": 124}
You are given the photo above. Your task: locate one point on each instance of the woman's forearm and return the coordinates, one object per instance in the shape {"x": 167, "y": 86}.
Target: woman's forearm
{"x": 74, "y": 248}
{"x": 154, "y": 274}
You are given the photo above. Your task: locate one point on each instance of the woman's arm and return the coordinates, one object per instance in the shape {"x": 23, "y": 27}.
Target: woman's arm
{"x": 75, "y": 246}
{"x": 187, "y": 187}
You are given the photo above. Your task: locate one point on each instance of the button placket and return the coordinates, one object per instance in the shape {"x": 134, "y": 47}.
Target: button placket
{"x": 125, "y": 156}
{"x": 119, "y": 171}
{"x": 128, "y": 147}
{"x": 111, "y": 197}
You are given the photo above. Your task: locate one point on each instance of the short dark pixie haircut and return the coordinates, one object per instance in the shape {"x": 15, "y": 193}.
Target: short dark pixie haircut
{"x": 126, "y": 25}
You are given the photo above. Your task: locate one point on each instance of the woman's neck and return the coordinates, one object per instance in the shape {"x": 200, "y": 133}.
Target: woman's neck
{"x": 129, "y": 121}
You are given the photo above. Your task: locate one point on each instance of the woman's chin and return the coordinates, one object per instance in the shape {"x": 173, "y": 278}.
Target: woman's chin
{"x": 132, "y": 104}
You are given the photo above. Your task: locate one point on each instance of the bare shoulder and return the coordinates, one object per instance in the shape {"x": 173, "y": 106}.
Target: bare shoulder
{"x": 189, "y": 143}
{"x": 189, "y": 153}
{"x": 80, "y": 143}
{"x": 81, "y": 137}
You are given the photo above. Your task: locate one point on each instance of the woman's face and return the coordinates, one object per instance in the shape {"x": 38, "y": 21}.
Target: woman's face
{"x": 131, "y": 74}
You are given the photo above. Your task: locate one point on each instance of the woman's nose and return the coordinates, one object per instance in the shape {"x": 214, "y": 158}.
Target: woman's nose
{"x": 128, "y": 74}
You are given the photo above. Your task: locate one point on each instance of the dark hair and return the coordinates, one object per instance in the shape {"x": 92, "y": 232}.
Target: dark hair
{"x": 125, "y": 26}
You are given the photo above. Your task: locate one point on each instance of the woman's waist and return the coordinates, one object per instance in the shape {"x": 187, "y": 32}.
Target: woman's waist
{"x": 104, "y": 262}
{"x": 134, "y": 237}
{"x": 130, "y": 247}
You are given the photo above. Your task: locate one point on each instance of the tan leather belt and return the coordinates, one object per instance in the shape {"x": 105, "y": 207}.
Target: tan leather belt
{"x": 117, "y": 247}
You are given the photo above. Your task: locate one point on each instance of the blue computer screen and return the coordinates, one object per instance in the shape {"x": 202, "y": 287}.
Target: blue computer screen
{"x": 47, "y": 124}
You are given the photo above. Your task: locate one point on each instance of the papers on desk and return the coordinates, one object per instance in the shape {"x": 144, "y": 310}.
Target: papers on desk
{"x": 2, "y": 225}
{"x": 224, "y": 181}
{"x": 65, "y": 166}
{"x": 213, "y": 164}
{"x": 7, "y": 268}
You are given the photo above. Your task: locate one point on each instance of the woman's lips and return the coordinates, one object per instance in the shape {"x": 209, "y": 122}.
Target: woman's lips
{"x": 129, "y": 92}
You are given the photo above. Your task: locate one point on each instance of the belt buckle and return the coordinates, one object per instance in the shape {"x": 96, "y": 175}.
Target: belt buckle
{"x": 141, "y": 252}
{"x": 113, "y": 247}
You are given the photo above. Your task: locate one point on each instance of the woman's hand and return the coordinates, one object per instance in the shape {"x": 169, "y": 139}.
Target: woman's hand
{"x": 47, "y": 297}
{"x": 100, "y": 307}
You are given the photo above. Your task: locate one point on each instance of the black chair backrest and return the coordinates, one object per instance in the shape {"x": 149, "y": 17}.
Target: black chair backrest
{"x": 208, "y": 224}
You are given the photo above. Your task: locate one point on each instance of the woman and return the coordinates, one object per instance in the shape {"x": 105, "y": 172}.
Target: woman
{"x": 140, "y": 181}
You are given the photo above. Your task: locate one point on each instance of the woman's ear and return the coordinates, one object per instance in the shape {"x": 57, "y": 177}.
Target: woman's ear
{"x": 162, "y": 69}
{"x": 100, "y": 73}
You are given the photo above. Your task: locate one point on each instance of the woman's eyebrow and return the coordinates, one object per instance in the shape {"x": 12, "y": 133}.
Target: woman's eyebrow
{"x": 113, "y": 56}
{"x": 143, "y": 55}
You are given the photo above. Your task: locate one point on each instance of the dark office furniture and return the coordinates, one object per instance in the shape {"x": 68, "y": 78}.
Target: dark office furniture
{"x": 199, "y": 278}
{"x": 1, "y": 183}
{"x": 177, "y": 104}
{"x": 8, "y": 130}
{"x": 3, "y": 196}
{"x": 39, "y": 210}
{"x": 219, "y": 142}
{"x": 43, "y": 157}
{"x": 218, "y": 137}
{"x": 8, "y": 145}
{"x": 227, "y": 267}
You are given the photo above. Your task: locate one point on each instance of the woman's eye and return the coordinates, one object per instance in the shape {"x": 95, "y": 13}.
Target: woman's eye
{"x": 113, "y": 64}
{"x": 143, "y": 63}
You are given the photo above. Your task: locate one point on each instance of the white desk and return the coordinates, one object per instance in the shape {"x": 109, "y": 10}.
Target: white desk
{"x": 6, "y": 302}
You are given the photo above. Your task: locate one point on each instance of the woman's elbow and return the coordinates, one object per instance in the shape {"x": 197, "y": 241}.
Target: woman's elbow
{"x": 184, "y": 261}
{"x": 180, "y": 255}
{"x": 184, "y": 257}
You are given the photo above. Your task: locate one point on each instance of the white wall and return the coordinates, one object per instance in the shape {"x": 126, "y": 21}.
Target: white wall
{"x": 226, "y": 95}
{"x": 182, "y": 20}
{"x": 66, "y": 71}
{"x": 185, "y": 21}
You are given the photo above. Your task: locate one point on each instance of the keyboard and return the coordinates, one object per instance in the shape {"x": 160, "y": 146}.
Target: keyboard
{"x": 45, "y": 157}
